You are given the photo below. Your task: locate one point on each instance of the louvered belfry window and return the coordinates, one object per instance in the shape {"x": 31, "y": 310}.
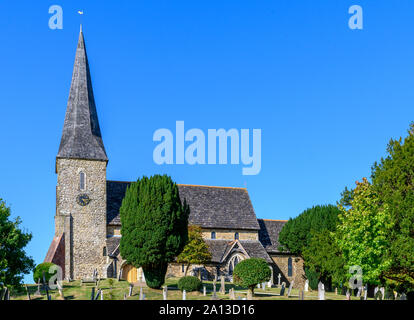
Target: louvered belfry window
{"x": 82, "y": 181}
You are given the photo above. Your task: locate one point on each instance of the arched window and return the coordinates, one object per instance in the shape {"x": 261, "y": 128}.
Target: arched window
{"x": 182, "y": 268}
{"x": 289, "y": 267}
{"x": 82, "y": 180}
{"x": 236, "y": 236}
{"x": 233, "y": 263}
{"x": 213, "y": 235}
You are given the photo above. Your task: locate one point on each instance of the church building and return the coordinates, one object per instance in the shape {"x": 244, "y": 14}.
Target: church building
{"x": 87, "y": 221}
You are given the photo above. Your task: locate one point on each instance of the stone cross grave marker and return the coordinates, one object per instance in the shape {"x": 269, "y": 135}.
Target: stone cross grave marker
{"x": 282, "y": 290}
{"x": 321, "y": 291}
{"x": 164, "y": 293}
{"x": 223, "y": 286}
{"x": 306, "y": 285}
{"x": 204, "y": 291}
{"x": 278, "y": 279}
{"x": 290, "y": 288}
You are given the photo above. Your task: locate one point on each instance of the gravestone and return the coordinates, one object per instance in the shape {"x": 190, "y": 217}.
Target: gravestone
{"x": 38, "y": 293}
{"x": 214, "y": 288}
{"x": 93, "y": 293}
{"x": 131, "y": 287}
{"x": 60, "y": 289}
{"x": 222, "y": 286}
{"x": 269, "y": 284}
{"x": 98, "y": 294}
{"x": 258, "y": 286}
{"x": 302, "y": 295}
{"x": 164, "y": 293}
{"x": 282, "y": 290}
{"x": 102, "y": 296}
{"x": 306, "y": 285}
{"x": 321, "y": 291}
{"x": 375, "y": 292}
{"x": 184, "y": 295}
{"x": 290, "y": 288}
{"x": 348, "y": 295}
{"x": 359, "y": 292}
{"x": 382, "y": 289}
{"x": 263, "y": 286}
{"x": 366, "y": 292}
{"x": 403, "y": 296}
{"x": 27, "y": 292}
{"x": 141, "y": 294}
{"x": 231, "y": 294}
{"x": 204, "y": 291}
{"x": 278, "y": 279}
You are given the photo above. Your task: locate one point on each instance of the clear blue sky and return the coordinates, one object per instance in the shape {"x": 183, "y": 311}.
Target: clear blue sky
{"x": 327, "y": 98}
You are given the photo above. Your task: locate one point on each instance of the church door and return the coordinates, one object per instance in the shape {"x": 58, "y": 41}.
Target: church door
{"x": 129, "y": 273}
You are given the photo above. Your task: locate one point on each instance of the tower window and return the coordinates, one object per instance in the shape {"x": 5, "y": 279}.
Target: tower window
{"x": 82, "y": 181}
{"x": 236, "y": 236}
{"x": 290, "y": 267}
{"x": 213, "y": 235}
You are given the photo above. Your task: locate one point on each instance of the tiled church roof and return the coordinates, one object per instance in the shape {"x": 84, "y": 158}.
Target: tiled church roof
{"x": 269, "y": 234}
{"x": 210, "y": 207}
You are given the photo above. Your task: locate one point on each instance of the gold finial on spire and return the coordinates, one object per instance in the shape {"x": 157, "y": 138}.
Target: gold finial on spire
{"x": 81, "y": 14}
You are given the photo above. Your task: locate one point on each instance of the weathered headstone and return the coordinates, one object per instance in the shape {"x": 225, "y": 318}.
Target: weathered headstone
{"x": 93, "y": 293}
{"x": 278, "y": 279}
{"x": 375, "y": 292}
{"x": 131, "y": 287}
{"x": 321, "y": 291}
{"x": 282, "y": 290}
{"x": 164, "y": 293}
{"x": 290, "y": 288}
{"x": 348, "y": 295}
{"x": 214, "y": 287}
{"x": 359, "y": 292}
{"x": 141, "y": 294}
{"x": 366, "y": 292}
{"x": 102, "y": 295}
{"x": 306, "y": 285}
{"x": 258, "y": 286}
{"x": 382, "y": 289}
{"x": 336, "y": 291}
{"x": 60, "y": 289}
{"x": 184, "y": 295}
{"x": 27, "y": 292}
{"x": 204, "y": 291}
{"x": 38, "y": 293}
{"x": 302, "y": 295}
{"x": 263, "y": 286}
{"x": 231, "y": 294}
{"x": 222, "y": 286}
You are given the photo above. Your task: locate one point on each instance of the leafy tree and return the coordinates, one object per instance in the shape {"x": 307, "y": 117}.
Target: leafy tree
{"x": 154, "y": 226}
{"x": 363, "y": 234}
{"x": 393, "y": 181}
{"x": 38, "y": 272}
{"x": 248, "y": 273}
{"x": 189, "y": 284}
{"x": 196, "y": 250}
{"x": 296, "y": 233}
{"x": 13, "y": 259}
{"x": 323, "y": 257}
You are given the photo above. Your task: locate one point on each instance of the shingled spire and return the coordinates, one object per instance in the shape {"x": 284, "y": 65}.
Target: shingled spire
{"x": 81, "y": 137}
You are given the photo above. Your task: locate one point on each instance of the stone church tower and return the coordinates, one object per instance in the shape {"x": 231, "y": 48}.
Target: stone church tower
{"x": 80, "y": 221}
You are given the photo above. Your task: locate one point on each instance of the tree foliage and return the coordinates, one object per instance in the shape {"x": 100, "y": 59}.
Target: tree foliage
{"x": 393, "y": 181}
{"x": 363, "y": 233}
{"x": 250, "y": 272}
{"x": 323, "y": 257}
{"x": 196, "y": 250}
{"x": 43, "y": 268}
{"x": 14, "y": 262}
{"x": 189, "y": 284}
{"x": 296, "y": 233}
{"x": 154, "y": 226}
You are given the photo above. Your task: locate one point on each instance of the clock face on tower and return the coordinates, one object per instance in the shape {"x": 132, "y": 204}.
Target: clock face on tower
{"x": 83, "y": 200}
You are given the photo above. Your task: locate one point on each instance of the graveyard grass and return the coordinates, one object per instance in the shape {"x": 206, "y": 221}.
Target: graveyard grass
{"x": 74, "y": 291}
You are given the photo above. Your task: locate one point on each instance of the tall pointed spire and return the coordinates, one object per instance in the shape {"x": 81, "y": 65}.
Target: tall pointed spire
{"x": 81, "y": 137}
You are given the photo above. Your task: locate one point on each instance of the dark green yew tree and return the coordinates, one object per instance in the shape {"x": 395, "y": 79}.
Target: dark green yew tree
{"x": 393, "y": 181}
{"x": 154, "y": 226}
{"x": 296, "y": 234}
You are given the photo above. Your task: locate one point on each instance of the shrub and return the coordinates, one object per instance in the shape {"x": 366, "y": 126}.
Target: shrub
{"x": 250, "y": 272}
{"x": 38, "y": 272}
{"x": 189, "y": 283}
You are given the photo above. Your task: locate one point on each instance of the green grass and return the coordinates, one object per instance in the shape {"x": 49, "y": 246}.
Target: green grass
{"x": 116, "y": 291}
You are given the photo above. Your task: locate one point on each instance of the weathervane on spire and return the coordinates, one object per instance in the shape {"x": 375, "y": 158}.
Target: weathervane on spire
{"x": 81, "y": 14}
